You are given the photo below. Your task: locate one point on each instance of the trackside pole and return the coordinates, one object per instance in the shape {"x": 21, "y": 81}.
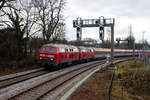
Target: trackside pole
{"x": 112, "y": 45}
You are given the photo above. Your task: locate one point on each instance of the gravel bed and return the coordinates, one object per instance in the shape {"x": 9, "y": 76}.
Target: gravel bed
{"x": 12, "y": 81}
{"x": 61, "y": 90}
{"x": 19, "y": 74}
{"x": 65, "y": 90}
{"x": 39, "y": 91}
{"x": 16, "y": 89}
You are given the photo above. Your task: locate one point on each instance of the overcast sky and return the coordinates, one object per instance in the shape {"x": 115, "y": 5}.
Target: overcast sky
{"x": 125, "y": 12}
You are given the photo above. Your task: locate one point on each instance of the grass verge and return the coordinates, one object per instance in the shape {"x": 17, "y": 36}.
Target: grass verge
{"x": 131, "y": 82}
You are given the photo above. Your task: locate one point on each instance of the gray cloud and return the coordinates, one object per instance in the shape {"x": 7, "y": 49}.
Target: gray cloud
{"x": 126, "y": 12}
{"x": 131, "y": 8}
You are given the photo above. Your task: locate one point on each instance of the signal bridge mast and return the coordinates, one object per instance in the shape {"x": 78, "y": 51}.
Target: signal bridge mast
{"x": 101, "y": 23}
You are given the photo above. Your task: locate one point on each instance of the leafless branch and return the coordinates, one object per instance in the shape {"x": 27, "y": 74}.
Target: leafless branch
{"x": 49, "y": 16}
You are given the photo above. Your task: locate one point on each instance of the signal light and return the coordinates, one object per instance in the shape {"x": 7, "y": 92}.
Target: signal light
{"x": 101, "y": 28}
{"x": 78, "y": 28}
{"x": 101, "y": 35}
{"x": 118, "y": 42}
{"x": 97, "y": 22}
{"x": 77, "y": 35}
{"x": 101, "y": 32}
{"x": 74, "y": 23}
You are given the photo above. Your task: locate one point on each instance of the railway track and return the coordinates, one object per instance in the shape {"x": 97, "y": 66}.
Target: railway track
{"x": 43, "y": 86}
{"x": 10, "y": 81}
{"x": 37, "y": 87}
{"x": 6, "y": 77}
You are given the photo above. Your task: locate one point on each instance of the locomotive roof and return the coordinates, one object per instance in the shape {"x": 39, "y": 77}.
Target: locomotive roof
{"x": 60, "y": 45}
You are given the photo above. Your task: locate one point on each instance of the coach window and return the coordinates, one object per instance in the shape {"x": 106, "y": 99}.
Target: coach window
{"x": 70, "y": 50}
{"x": 66, "y": 50}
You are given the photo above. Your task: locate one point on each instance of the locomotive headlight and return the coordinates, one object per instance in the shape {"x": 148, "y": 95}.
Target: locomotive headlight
{"x": 42, "y": 55}
{"x": 50, "y": 55}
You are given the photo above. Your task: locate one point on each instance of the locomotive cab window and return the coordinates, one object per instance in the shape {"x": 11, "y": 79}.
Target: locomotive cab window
{"x": 51, "y": 49}
{"x": 44, "y": 49}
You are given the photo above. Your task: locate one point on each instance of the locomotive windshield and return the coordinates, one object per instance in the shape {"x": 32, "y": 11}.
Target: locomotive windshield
{"x": 44, "y": 49}
{"x": 51, "y": 49}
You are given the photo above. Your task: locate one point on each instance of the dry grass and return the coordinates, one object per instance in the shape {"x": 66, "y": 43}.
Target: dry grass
{"x": 129, "y": 93}
{"x": 95, "y": 87}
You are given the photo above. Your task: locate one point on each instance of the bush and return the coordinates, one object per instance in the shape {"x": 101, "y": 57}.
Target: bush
{"x": 5, "y": 65}
{"x": 137, "y": 80}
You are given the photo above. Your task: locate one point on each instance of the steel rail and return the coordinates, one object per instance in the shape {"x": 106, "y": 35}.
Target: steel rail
{"x": 10, "y": 76}
{"x": 32, "y": 84}
{"x": 82, "y": 70}
{"x": 42, "y": 89}
{"x": 13, "y": 80}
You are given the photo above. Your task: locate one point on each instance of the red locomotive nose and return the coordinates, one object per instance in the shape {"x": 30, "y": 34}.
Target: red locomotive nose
{"x": 47, "y": 52}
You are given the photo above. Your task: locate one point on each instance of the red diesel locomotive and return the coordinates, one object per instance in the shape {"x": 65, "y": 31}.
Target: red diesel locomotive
{"x": 54, "y": 55}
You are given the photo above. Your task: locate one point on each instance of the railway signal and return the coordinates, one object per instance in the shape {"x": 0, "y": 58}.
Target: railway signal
{"x": 101, "y": 32}
{"x": 101, "y": 29}
{"x": 79, "y": 33}
{"x": 77, "y": 23}
{"x": 101, "y": 23}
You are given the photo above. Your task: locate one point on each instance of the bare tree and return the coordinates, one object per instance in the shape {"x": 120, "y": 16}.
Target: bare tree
{"x": 59, "y": 33}
{"x": 15, "y": 21}
{"x": 29, "y": 21}
{"x": 49, "y": 13}
{"x": 3, "y": 2}
{"x": 22, "y": 21}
